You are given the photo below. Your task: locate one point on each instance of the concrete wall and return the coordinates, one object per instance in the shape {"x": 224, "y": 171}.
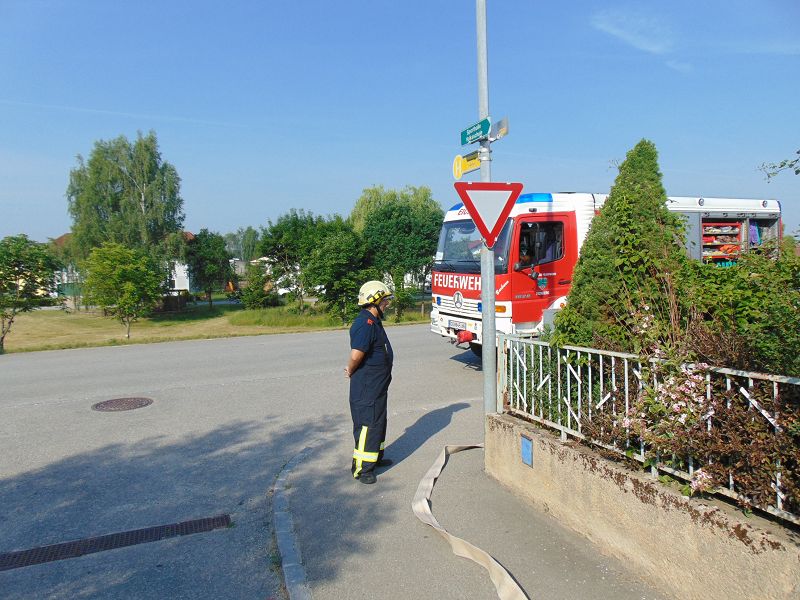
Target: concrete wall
{"x": 687, "y": 547}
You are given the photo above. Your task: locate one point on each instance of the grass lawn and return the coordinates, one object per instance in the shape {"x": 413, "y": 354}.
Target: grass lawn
{"x": 56, "y": 329}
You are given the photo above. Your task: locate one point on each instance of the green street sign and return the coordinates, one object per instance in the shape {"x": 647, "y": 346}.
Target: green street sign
{"x": 476, "y": 132}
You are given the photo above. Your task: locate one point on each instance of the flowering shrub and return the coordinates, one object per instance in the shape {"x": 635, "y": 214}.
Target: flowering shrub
{"x": 690, "y": 417}
{"x": 673, "y": 407}
{"x": 701, "y": 481}
{"x": 644, "y": 323}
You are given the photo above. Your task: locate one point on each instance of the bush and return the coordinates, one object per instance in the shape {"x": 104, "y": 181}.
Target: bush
{"x": 173, "y": 303}
{"x": 259, "y": 291}
{"x": 750, "y": 312}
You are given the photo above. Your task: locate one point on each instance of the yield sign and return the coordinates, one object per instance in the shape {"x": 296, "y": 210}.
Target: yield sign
{"x": 489, "y": 205}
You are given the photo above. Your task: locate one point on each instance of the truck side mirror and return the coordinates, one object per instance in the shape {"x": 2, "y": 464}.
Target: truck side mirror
{"x": 520, "y": 266}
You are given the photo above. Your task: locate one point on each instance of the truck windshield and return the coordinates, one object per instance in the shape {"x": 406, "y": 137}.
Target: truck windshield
{"x": 459, "y": 249}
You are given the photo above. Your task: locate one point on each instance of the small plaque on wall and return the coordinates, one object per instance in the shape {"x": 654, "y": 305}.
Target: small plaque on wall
{"x": 526, "y": 450}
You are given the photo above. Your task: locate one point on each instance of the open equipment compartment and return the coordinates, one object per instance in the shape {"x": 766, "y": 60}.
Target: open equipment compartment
{"x": 722, "y": 239}
{"x": 719, "y": 230}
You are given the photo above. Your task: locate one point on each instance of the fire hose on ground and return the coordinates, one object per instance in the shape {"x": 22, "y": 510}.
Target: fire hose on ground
{"x": 507, "y": 588}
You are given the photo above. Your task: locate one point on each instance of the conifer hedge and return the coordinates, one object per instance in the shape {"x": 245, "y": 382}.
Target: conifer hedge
{"x": 635, "y": 289}
{"x": 629, "y": 260}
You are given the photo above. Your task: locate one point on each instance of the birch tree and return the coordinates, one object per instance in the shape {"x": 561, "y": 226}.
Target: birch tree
{"x": 127, "y": 194}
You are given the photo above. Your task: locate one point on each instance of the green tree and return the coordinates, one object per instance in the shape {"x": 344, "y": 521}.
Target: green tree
{"x": 401, "y": 236}
{"x": 124, "y": 282}
{"x": 207, "y": 260}
{"x": 337, "y": 266}
{"x": 259, "y": 291}
{"x": 629, "y": 263}
{"x": 243, "y": 243}
{"x": 286, "y": 244}
{"x": 250, "y": 243}
{"x": 375, "y": 197}
{"x": 233, "y": 244}
{"x": 127, "y": 194}
{"x": 26, "y": 279}
{"x": 371, "y": 199}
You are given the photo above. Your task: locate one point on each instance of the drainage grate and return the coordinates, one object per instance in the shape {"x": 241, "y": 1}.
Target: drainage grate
{"x": 44, "y": 554}
{"x": 120, "y": 404}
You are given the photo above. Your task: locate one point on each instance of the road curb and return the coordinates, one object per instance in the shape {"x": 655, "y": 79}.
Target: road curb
{"x": 294, "y": 573}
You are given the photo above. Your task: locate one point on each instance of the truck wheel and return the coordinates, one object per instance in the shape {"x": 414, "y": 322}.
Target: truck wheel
{"x": 477, "y": 349}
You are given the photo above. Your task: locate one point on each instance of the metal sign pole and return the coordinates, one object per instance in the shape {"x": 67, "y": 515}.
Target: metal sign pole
{"x": 488, "y": 336}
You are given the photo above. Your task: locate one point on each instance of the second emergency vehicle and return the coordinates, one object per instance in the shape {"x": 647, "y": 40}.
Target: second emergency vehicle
{"x": 536, "y": 252}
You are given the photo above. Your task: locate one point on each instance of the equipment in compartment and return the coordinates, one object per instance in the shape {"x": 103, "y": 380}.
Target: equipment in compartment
{"x": 723, "y": 240}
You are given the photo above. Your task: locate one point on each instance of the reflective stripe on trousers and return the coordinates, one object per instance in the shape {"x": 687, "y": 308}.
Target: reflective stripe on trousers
{"x": 360, "y": 455}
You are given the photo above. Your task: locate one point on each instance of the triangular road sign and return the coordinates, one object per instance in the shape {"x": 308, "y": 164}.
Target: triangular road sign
{"x": 489, "y": 205}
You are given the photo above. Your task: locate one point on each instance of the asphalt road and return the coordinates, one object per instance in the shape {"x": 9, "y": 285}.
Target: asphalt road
{"x": 226, "y": 416}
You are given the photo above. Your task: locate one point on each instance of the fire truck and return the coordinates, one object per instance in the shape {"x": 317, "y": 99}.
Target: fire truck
{"x": 538, "y": 247}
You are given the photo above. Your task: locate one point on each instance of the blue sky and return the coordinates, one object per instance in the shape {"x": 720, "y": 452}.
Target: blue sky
{"x": 265, "y": 106}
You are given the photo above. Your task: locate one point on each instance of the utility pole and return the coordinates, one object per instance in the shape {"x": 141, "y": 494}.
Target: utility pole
{"x": 488, "y": 335}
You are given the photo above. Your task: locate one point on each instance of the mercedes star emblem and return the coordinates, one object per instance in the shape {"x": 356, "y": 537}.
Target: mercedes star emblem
{"x": 458, "y": 300}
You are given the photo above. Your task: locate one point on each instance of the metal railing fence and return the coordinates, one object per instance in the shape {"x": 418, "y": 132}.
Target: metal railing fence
{"x": 581, "y": 392}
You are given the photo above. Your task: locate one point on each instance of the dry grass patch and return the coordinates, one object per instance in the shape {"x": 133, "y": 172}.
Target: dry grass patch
{"x": 58, "y": 329}
{"x": 55, "y": 329}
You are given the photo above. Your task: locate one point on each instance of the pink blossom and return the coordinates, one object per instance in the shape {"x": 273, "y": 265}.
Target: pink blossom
{"x": 701, "y": 481}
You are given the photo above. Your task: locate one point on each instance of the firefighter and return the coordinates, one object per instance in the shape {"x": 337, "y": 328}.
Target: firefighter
{"x": 370, "y": 372}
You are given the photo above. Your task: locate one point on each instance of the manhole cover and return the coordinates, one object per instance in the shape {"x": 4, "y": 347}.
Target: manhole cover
{"x": 119, "y": 404}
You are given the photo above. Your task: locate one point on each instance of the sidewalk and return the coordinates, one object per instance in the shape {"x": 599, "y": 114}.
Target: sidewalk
{"x": 360, "y": 541}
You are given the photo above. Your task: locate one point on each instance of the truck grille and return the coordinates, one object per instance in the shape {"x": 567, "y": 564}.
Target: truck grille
{"x": 468, "y": 307}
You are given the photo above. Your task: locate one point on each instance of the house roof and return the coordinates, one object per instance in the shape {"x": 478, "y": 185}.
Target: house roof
{"x": 62, "y": 240}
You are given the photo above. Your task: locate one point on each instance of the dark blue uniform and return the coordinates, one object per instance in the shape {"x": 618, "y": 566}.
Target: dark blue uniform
{"x": 369, "y": 385}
